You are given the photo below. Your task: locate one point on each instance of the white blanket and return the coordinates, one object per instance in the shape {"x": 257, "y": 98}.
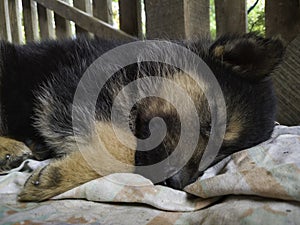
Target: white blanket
{"x": 260, "y": 185}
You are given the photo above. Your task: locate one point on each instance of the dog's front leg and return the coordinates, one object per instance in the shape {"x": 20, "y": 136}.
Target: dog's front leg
{"x": 57, "y": 177}
{"x": 97, "y": 158}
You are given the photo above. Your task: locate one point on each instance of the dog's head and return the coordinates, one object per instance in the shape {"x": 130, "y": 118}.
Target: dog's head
{"x": 242, "y": 66}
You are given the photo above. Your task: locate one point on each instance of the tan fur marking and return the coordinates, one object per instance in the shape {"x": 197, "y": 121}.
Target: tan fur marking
{"x": 119, "y": 152}
{"x": 234, "y": 128}
{"x": 219, "y": 51}
{"x": 190, "y": 85}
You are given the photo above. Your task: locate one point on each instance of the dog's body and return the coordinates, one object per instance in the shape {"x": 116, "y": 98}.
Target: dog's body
{"x": 38, "y": 83}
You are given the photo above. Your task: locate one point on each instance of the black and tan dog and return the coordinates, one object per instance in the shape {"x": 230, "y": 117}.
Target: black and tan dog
{"x": 38, "y": 82}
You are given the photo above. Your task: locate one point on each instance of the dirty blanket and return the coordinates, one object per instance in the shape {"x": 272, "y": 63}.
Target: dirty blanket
{"x": 260, "y": 185}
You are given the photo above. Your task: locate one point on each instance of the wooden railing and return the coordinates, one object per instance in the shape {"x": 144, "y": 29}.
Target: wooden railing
{"x": 173, "y": 19}
{"x": 84, "y": 22}
{"x": 31, "y": 20}
{"x": 48, "y": 19}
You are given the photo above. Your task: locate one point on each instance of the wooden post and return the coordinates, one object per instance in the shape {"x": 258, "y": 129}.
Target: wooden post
{"x": 231, "y": 16}
{"x": 177, "y": 19}
{"x": 282, "y": 18}
{"x": 62, "y": 26}
{"x": 46, "y": 23}
{"x": 3, "y": 20}
{"x": 30, "y": 20}
{"x": 131, "y": 17}
{"x": 102, "y": 9}
{"x": 83, "y": 5}
{"x": 15, "y": 21}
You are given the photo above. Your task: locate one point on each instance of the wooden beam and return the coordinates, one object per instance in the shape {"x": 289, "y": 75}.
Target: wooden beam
{"x": 177, "y": 19}
{"x": 85, "y": 20}
{"x": 3, "y": 20}
{"x": 231, "y": 16}
{"x": 15, "y": 21}
{"x": 130, "y": 17}
{"x": 46, "y": 23}
{"x": 102, "y": 9}
{"x": 30, "y": 20}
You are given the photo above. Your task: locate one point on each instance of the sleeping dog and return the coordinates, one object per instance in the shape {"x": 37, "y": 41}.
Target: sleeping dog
{"x": 38, "y": 82}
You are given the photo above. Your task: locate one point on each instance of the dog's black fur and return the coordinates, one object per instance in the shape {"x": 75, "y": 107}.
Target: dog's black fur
{"x": 38, "y": 82}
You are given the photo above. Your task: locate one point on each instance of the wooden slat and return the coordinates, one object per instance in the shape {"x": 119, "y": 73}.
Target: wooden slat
{"x": 283, "y": 18}
{"x": 164, "y": 19}
{"x": 82, "y": 5}
{"x": 45, "y": 23}
{"x": 85, "y": 20}
{"x": 15, "y": 21}
{"x": 197, "y": 18}
{"x": 231, "y": 16}
{"x": 62, "y": 26}
{"x": 177, "y": 19}
{"x": 29, "y": 18}
{"x": 3, "y": 21}
{"x": 102, "y": 9}
{"x": 130, "y": 17}
{"x": 140, "y": 11}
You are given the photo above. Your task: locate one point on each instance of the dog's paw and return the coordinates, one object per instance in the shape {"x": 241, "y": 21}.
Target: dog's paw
{"x": 12, "y": 153}
{"x": 58, "y": 177}
{"x": 43, "y": 184}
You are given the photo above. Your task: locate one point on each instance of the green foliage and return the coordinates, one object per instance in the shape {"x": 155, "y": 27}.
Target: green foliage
{"x": 256, "y": 18}
{"x": 115, "y": 15}
{"x": 212, "y": 11}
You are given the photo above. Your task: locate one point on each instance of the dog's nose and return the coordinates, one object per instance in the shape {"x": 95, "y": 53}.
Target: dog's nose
{"x": 175, "y": 183}
{"x": 172, "y": 183}
{"x": 181, "y": 180}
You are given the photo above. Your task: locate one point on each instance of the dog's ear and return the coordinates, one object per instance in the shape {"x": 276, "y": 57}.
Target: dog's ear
{"x": 249, "y": 55}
